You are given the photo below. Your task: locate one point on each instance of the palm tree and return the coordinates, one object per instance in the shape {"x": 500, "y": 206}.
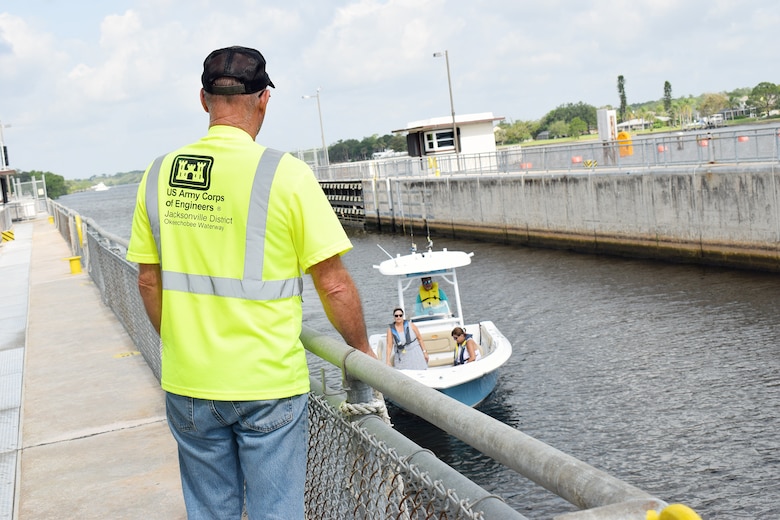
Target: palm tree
{"x": 685, "y": 110}
{"x": 644, "y": 114}
{"x": 735, "y": 101}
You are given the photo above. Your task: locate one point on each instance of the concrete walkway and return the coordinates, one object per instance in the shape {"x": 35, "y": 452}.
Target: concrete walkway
{"x": 91, "y": 436}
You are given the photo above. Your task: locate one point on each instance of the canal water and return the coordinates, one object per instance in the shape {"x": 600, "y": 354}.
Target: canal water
{"x": 665, "y": 376}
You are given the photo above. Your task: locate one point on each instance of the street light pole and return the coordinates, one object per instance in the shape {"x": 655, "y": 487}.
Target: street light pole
{"x": 452, "y": 104}
{"x": 322, "y": 131}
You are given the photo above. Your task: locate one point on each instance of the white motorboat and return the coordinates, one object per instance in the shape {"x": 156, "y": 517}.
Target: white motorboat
{"x": 100, "y": 187}
{"x": 468, "y": 383}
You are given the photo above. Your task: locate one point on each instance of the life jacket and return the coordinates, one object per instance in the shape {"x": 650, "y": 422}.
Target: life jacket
{"x": 462, "y": 351}
{"x": 430, "y": 298}
{"x": 397, "y": 337}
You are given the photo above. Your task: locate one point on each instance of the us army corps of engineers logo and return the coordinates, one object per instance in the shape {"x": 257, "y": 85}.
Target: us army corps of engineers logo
{"x": 192, "y": 172}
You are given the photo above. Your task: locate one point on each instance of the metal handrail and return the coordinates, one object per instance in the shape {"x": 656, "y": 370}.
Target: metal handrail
{"x": 707, "y": 146}
{"x": 573, "y": 480}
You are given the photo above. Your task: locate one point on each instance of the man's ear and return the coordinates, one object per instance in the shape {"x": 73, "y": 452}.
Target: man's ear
{"x": 203, "y": 100}
{"x": 266, "y": 96}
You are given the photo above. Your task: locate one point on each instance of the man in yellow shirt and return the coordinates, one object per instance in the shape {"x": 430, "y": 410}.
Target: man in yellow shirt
{"x": 223, "y": 231}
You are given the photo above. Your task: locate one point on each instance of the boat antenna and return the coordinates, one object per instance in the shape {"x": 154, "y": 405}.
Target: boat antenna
{"x": 425, "y": 219}
{"x": 413, "y": 249}
{"x": 383, "y": 249}
{"x": 428, "y": 231}
{"x": 403, "y": 222}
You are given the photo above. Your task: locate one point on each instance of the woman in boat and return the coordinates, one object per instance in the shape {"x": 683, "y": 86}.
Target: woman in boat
{"x": 467, "y": 349}
{"x": 405, "y": 341}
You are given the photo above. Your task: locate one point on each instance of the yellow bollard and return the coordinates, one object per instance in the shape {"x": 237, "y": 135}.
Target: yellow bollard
{"x": 78, "y": 230}
{"x": 51, "y": 219}
{"x": 625, "y": 146}
{"x": 674, "y": 512}
{"x": 75, "y": 264}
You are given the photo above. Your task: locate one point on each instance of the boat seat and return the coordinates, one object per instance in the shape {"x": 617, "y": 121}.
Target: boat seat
{"x": 441, "y": 349}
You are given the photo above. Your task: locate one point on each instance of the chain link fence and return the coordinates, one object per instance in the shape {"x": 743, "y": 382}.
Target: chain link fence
{"x": 351, "y": 473}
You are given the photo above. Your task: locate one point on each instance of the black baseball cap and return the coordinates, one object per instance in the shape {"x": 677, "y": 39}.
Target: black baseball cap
{"x": 241, "y": 63}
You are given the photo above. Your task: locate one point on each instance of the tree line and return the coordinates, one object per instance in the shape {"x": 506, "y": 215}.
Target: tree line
{"x": 353, "y": 150}
{"x": 57, "y": 185}
{"x": 576, "y": 119}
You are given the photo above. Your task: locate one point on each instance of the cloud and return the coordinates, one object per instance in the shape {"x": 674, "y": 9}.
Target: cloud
{"x": 369, "y": 41}
{"x": 98, "y": 87}
{"x": 28, "y": 59}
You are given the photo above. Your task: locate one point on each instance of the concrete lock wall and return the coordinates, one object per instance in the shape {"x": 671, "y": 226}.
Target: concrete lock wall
{"x": 718, "y": 215}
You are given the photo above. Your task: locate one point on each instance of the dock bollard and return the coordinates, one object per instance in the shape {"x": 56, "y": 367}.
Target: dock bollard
{"x": 674, "y": 512}
{"x": 75, "y": 264}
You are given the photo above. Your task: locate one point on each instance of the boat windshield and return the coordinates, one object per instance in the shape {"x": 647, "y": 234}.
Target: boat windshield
{"x": 429, "y": 311}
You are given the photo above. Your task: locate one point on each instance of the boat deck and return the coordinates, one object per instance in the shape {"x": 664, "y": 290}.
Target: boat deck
{"x": 82, "y": 418}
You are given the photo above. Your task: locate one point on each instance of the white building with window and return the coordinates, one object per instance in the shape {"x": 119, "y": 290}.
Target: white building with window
{"x": 435, "y": 137}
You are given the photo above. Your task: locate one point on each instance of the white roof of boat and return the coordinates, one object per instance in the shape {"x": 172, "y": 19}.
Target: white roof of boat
{"x": 425, "y": 262}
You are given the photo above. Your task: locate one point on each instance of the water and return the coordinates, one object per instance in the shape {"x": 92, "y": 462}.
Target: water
{"x": 111, "y": 209}
{"x": 665, "y": 376}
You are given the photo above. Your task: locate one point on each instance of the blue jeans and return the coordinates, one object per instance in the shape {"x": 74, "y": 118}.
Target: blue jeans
{"x": 226, "y": 445}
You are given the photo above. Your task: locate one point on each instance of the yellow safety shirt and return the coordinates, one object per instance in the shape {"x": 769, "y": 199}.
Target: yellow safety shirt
{"x": 233, "y": 225}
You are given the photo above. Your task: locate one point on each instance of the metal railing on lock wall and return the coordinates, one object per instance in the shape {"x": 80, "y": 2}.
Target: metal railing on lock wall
{"x": 708, "y": 146}
{"x": 359, "y": 466}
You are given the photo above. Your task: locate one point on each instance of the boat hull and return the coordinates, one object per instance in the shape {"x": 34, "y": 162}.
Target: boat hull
{"x": 475, "y": 391}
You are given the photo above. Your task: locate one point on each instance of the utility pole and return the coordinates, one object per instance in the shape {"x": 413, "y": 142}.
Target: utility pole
{"x": 452, "y": 104}
{"x": 322, "y": 131}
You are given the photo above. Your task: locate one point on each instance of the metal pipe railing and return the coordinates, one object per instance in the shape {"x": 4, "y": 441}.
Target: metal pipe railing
{"x": 722, "y": 146}
{"x": 571, "y": 479}
{"x": 489, "y": 504}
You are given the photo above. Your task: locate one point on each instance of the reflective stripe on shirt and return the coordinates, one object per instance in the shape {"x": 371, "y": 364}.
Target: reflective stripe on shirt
{"x": 250, "y": 286}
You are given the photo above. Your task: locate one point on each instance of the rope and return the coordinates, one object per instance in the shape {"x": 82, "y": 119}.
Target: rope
{"x": 375, "y": 407}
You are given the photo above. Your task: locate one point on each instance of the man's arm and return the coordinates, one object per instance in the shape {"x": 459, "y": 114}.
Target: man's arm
{"x": 150, "y": 287}
{"x": 341, "y": 302}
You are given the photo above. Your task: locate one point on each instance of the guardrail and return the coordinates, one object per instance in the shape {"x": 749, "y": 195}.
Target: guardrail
{"x": 358, "y": 465}
{"x": 757, "y": 144}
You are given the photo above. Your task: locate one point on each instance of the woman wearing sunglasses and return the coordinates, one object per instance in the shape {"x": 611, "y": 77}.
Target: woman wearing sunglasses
{"x": 467, "y": 350}
{"x": 405, "y": 341}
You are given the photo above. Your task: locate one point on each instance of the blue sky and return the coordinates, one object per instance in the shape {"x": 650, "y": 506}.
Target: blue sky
{"x": 97, "y": 87}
